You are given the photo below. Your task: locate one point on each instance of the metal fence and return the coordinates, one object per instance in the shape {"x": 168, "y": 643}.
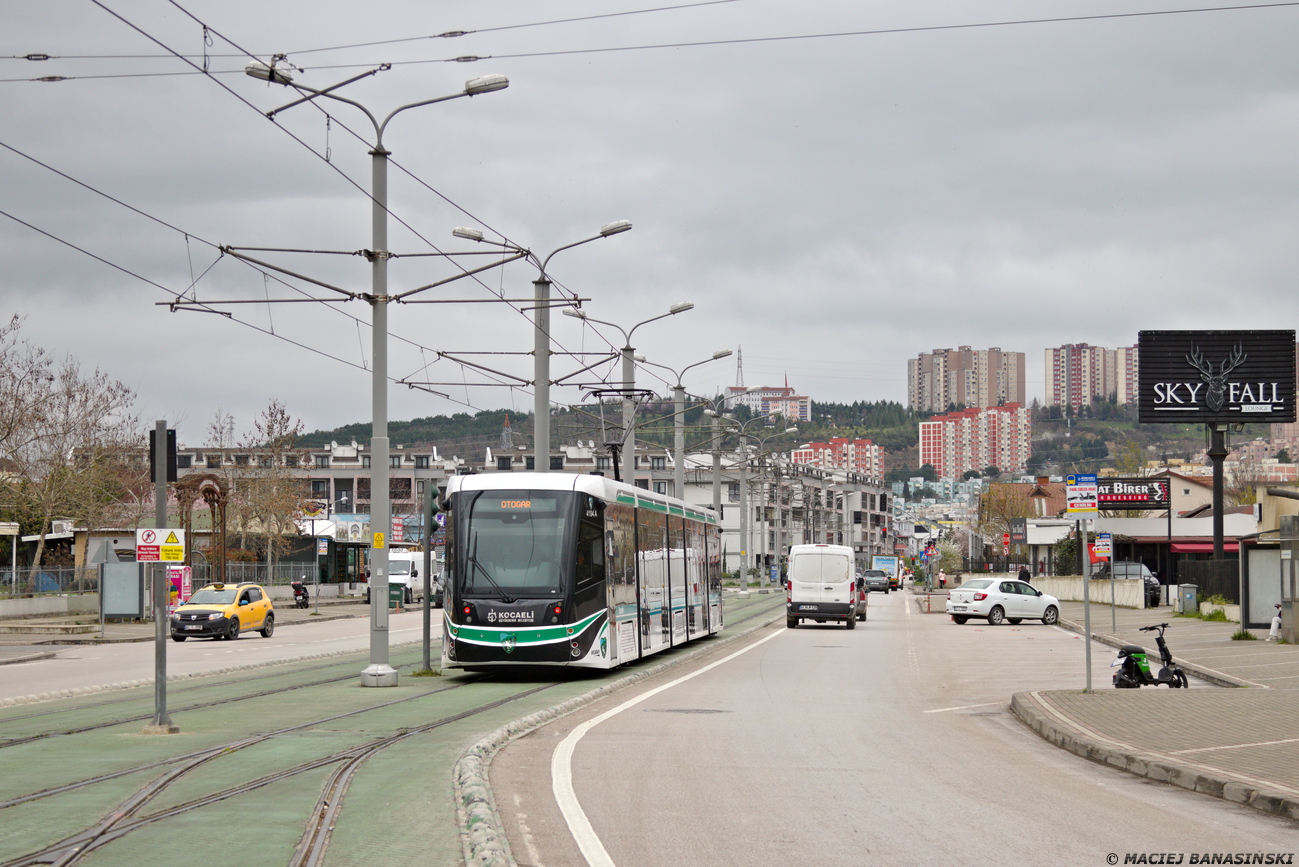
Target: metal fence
{"x": 71, "y": 580}
{"x": 1212, "y": 578}
{"x": 49, "y": 581}
{"x": 256, "y": 573}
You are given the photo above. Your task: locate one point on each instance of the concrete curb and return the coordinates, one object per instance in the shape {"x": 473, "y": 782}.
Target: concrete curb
{"x": 1033, "y": 711}
{"x": 69, "y": 641}
{"x": 28, "y": 657}
{"x": 1213, "y": 676}
{"x": 482, "y": 835}
{"x": 12, "y": 701}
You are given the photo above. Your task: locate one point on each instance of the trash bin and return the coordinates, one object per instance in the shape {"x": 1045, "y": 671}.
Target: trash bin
{"x": 1185, "y": 603}
{"x": 397, "y": 593}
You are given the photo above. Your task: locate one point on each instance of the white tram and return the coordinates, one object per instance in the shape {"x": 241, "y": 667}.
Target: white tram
{"x": 557, "y": 568}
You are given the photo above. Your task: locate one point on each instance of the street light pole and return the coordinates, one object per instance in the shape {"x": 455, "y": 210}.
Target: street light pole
{"x": 379, "y": 672}
{"x": 629, "y": 381}
{"x": 743, "y": 459}
{"x": 541, "y": 336}
{"x": 679, "y": 422}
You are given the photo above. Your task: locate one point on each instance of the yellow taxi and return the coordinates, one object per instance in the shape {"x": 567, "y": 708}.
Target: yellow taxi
{"x": 223, "y": 611}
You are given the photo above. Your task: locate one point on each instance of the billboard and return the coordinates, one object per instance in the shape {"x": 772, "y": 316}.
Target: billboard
{"x": 1136, "y": 494}
{"x": 1216, "y": 377}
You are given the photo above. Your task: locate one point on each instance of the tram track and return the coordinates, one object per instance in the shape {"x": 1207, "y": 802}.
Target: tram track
{"x": 129, "y": 814}
{"x": 13, "y": 742}
{"x": 221, "y": 749}
{"x": 340, "y": 660}
{"x": 125, "y": 818}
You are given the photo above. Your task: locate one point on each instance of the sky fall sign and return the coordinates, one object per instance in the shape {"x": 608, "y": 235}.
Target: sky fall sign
{"x": 1216, "y": 377}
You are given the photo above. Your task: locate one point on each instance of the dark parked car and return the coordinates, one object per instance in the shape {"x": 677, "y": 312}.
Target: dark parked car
{"x": 1132, "y": 569}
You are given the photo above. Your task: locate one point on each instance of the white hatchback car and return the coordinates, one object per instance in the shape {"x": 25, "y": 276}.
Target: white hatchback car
{"x": 998, "y": 599}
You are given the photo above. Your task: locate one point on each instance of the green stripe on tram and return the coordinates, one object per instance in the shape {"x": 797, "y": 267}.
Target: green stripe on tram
{"x": 495, "y": 635}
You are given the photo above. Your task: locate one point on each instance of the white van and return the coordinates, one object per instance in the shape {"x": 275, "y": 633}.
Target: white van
{"x": 822, "y": 585}
{"x": 404, "y": 568}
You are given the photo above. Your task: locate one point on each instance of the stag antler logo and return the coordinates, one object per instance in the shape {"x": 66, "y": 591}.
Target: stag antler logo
{"x": 1217, "y": 381}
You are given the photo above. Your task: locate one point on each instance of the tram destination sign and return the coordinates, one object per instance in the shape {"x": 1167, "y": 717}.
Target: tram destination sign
{"x": 1131, "y": 494}
{"x": 1216, "y": 377}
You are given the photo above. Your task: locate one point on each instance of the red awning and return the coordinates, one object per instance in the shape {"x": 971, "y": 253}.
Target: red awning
{"x": 1203, "y": 547}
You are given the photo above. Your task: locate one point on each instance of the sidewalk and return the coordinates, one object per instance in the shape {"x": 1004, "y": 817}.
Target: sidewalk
{"x": 1240, "y": 743}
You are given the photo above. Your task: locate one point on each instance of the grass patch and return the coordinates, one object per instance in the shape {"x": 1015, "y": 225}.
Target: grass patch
{"x": 425, "y": 672}
{"x": 1243, "y": 634}
{"x": 1217, "y": 615}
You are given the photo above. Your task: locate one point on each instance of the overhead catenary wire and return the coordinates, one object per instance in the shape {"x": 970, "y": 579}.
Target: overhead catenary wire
{"x": 192, "y": 287}
{"x": 703, "y": 43}
{"x": 245, "y": 102}
{"x": 449, "y": 34}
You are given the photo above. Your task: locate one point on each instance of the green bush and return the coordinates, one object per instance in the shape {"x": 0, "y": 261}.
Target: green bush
{"x": 1243, "y": 634}
{"x": 1217, "y": 615}
{"x": 1219, "y": 599}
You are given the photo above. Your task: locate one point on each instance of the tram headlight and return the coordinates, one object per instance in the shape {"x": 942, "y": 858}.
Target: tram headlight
{"x": 576, "y": 649}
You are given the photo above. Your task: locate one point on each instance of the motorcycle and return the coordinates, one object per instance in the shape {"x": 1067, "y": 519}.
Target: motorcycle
{"x": 301, "y": 597}
{"x": 1134, "y": 665}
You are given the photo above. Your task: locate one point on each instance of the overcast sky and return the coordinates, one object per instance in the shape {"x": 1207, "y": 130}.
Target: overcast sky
{"x": 833, "y": 205}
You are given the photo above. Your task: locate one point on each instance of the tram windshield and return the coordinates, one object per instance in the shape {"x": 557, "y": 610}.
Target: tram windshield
{"x": 514, "y": 542}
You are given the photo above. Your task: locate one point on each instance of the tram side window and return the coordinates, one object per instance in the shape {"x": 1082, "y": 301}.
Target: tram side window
{"x": 590, "y": 553}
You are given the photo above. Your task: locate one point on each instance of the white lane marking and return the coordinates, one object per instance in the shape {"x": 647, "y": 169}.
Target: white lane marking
{"x": 561, "y": 764}
{"x": 967, "y": 707}
{"x": 1234, "y": 747}
{"x": 534, "y": 857}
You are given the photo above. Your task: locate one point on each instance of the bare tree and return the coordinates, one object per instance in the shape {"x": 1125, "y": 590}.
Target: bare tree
{"x": 71, "y": 439}
{"x": 271, "y": 488}
{"x": 998, "y": 504}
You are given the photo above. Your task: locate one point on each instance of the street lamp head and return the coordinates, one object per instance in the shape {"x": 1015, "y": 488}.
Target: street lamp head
{"x": 486, "y": 84}
{"x": 615, "y": 227}
{"x": 467, "y": 233}
{"x": 791, "y": 430}
{"x": 639, "y": 359}
{"x": 574, "y": 312}
{"x": 680, "y": 308}
{"x": 721, "y": 353}
{"x": 266, "y": 72}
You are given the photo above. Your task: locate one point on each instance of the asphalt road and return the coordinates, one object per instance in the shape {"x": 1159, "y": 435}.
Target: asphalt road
{"x": 88, "y": 665}
{"x": 889, "y": 744}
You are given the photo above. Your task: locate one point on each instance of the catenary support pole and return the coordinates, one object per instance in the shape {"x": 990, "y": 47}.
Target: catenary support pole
{"x": 162, "y": 723}
{"x": 379, "y": 672}
{"x": 541, "y": 373}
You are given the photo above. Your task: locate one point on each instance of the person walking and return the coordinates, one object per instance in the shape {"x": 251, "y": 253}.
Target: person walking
{"x": 942, "y": 579}
{"x": 1024, "y": 574}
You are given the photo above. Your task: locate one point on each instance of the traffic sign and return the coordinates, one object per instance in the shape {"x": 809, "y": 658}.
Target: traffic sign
{"x": 152, "y": 546}
{"x": 1005, "y": 538}
{"x": 1103, "y": 546}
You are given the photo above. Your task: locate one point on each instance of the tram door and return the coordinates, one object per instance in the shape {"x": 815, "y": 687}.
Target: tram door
{"x": 620, "y": 539}
{"x": 652, "y": 568}
{"x": 696, "y": 585}
{"x": 677, "y": 577}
